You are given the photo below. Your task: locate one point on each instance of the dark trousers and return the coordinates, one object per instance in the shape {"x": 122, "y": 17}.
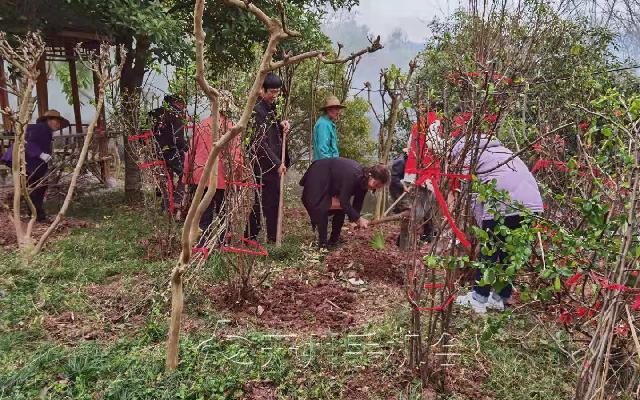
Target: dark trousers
{"x": 267, "y": 200}
{"x": 173, "y": 160}
{"x": 37, "y": 189}
{"x": 499, "y": 256}
{"x": 337, "y": 221}
{"x": 207, "y": 216}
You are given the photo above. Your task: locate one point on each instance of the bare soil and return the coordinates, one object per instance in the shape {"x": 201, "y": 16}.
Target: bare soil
{"x": 8, "y": 234}
{"x": 295, "y": 306}
{"x": 117, "y": 308}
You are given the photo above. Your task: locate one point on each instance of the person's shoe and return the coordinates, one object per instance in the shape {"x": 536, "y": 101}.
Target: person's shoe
{"x": 471, "y": 300}
{"x": 426, "y": 238}
{"x": 495, "y": 302}
{"x": 44, "y": 220}
{"x": 335, "y": 243}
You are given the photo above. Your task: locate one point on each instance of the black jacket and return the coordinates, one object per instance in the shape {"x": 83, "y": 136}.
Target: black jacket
{"x": 333, "y": 177}
{"x": 266, "y": 140}
{"x": 168, "y": 129}
{"x": 396, "y": 188}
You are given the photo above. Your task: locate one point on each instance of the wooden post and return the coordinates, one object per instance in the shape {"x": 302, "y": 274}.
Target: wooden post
{"x": 4, "y": 97}
{"x": 41, "y": 86}
{"x": 73, "y": 78}
{"x": 281, "y": 202}
{"x": 102, "y": 139}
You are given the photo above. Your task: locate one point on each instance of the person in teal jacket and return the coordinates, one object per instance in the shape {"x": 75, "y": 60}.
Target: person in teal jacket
{"x": 325, "y": 134}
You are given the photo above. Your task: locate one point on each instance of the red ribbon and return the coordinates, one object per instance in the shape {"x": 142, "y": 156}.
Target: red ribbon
{"x": 441, "y": 307}
{"x": 156, "y": 163}
{"x": 261, "y": 251}
{"x": 203, "y": 250}
{"x": 146, "y": 135}
{"x": 434, "y": 176}
{"x": 433, "y": 285}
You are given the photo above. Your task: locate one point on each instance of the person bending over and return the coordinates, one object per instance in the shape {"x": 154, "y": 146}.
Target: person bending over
{"x": 342, "y": 179}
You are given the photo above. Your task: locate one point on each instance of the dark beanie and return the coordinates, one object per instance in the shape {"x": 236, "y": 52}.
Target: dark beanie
{"x": 272, "y": 81}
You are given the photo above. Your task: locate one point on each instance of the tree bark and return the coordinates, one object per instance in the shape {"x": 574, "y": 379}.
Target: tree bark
{"x": 130, "y": 92}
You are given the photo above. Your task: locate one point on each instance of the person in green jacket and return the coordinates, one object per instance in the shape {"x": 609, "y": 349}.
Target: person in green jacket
{"x": 325, "y": 134}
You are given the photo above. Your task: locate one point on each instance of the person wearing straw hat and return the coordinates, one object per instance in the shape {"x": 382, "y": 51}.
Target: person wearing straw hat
{"x": 325, "y": 134}
{"x": 38, "y": 149}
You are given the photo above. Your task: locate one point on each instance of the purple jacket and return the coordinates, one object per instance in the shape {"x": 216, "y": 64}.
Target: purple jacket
{"x": 513, "y": 177}
{"x": 39, "y": 140}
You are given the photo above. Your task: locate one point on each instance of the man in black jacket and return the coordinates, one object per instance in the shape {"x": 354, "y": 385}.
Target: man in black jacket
{"x": 265, "y": 152}
{"x": 168, "y": 129}
{"x": 342, "y": 179}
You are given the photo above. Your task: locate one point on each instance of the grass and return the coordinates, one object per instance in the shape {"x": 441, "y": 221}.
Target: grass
{"x": 522, "y": 362}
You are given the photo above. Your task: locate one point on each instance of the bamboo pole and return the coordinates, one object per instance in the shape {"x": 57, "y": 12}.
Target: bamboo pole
{"x": 281, "y": 200}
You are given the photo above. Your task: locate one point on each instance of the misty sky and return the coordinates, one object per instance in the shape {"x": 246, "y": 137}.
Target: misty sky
{"x": 412, "y": 16}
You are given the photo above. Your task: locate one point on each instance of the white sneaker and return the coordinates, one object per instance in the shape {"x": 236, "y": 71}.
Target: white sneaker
{"x": 468, "y": 300}
{"x": 495, "y": 302}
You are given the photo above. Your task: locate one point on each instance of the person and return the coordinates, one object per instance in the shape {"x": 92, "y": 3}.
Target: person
{"x": 325, "y": 135}
{"x": 195, "y": 160}
{"x": 339, "y": 178}
{"x": 510, "y": 174}
{"x": 397, "y": 188}
{"x": 169, "y": 132}
{"x": 265, "y": 153}
{"x": 420, "y": 171}
{"x": 38, "y": 153}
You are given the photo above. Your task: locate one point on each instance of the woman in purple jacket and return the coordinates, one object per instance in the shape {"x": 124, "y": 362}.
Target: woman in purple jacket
{"x": 38, "y": 150}
{"x": 497, "y": 163}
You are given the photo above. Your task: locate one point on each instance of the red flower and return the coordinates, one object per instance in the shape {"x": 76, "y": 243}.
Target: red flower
{"x": 584, "y": 126}
{"x": 565, "y": 317}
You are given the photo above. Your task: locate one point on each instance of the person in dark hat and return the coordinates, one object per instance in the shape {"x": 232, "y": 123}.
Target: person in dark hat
{"x": 168, "y": 129}
{"x": 340, "y": 179}
{"x": 265, "y": 153}
{"x": 38, "y": 152}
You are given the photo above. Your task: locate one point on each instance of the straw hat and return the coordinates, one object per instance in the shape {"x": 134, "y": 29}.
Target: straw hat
{"x": 56, "y": 115}
{"x": 331, "y": 101}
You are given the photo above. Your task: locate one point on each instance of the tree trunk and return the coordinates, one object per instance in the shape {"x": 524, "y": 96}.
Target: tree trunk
{"x": 130, "y": 92}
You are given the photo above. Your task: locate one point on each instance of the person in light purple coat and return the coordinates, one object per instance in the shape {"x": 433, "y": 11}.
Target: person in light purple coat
{"x": 38, "y": 150}
{"x": 497, "y": 163}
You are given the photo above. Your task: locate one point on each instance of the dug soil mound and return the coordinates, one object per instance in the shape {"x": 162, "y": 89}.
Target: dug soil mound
{"x": 357, "y": 254}
{"x": 8, "y": 234}
{"x": 295, "y": 306}
{"x": 116, "y": 308}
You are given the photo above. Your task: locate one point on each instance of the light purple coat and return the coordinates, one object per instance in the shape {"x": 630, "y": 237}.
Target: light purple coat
{"x": 513, "y": 177}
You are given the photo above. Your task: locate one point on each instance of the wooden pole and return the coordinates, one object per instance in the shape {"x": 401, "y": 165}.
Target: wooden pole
{"x": 281, "y": 201}
{"x": 4, "y": 98}
{"x": 41, "y": 87}
{"x": 102, "y": 139}
{"x": 73, "y": 78}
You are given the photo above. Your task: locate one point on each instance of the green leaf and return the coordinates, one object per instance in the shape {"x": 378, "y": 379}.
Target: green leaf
{"x": 557, "y": 285}
{"x": 377, "y": 242}
{"x": 489, "y": 276}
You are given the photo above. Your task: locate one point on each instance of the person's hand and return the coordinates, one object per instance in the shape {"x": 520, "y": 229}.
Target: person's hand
{"x": 407, "y": 187}
{"x": 45, "y": 157}
{"x": 362, "y": 223}
{"x": 286, "y": 126}
{"x": 282, "y": 170}
{"x": 335, "y": 204}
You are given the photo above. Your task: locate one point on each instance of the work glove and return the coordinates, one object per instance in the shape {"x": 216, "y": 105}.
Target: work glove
{"x": 45, "y": 157}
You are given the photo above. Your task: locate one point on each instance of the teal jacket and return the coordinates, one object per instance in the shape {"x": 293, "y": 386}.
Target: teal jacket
{"x": 325, "y": 139}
